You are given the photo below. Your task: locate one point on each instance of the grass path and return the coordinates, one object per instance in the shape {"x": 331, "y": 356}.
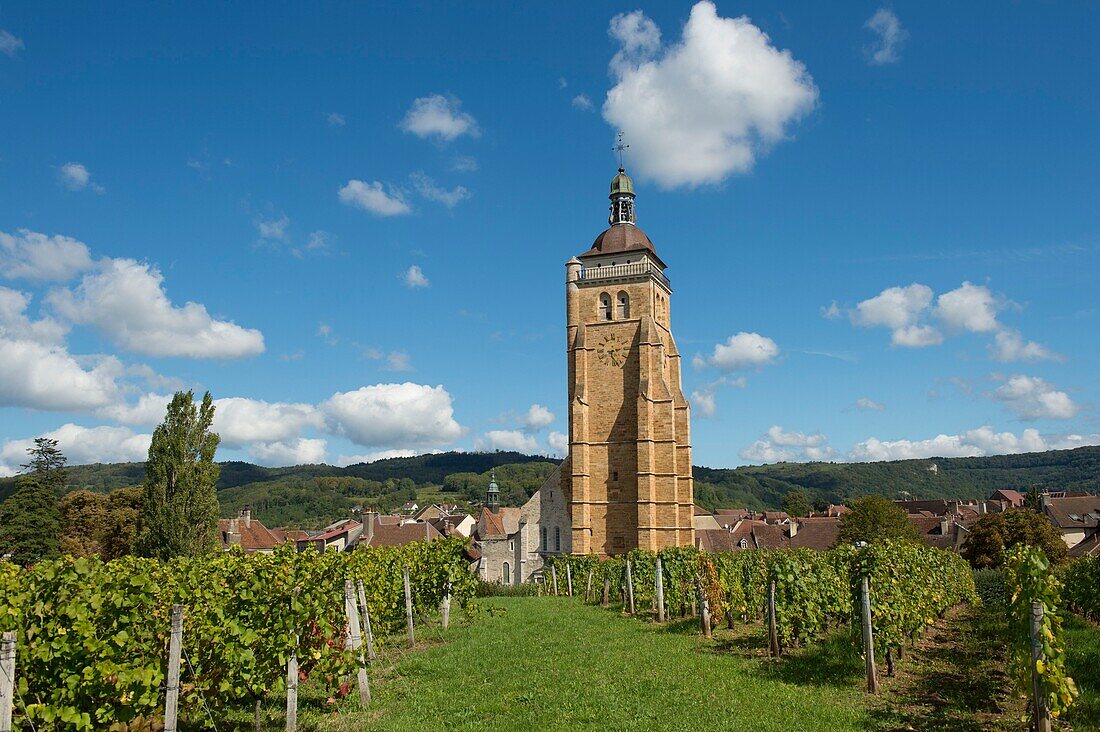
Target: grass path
{"x": 552, "y": 663}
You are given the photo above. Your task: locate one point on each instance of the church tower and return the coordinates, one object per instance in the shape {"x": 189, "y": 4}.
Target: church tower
{"x": 627, "y": 479}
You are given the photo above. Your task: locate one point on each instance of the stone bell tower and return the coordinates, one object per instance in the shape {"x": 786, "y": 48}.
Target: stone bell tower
{"x": 628, "y": 475}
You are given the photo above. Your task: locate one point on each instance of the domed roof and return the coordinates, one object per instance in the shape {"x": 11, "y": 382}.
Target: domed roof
{"x": 622, "y": 183}
{"x": 622, "y": 238}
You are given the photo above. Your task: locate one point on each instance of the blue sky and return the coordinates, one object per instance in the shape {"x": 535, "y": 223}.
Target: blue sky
{"x": 350, "y": 221}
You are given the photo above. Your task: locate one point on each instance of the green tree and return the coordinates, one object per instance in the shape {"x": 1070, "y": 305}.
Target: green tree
{"x": 1033, "y": 500}
{"x": 796, "y": 503}
{"x": 874, "y": 518}
{"x": 123, "y": 514}
{"x": 180, "y": 508}
{"x": 83, "y": 523}
{"x": 29, "y": 519}
{"x": 995, "y": 532}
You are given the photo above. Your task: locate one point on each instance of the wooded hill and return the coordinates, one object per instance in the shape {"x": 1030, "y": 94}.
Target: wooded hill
{"x": 311, "y": 495}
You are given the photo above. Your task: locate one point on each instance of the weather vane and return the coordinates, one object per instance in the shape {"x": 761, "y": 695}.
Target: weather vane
{"x": 619, "y": 147}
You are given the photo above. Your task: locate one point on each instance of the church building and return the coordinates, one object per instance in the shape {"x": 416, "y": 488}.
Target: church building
{"x": 627, "y": 479}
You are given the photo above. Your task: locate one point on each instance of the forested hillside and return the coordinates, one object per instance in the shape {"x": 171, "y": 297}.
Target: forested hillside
{"x": 312, "y": 495}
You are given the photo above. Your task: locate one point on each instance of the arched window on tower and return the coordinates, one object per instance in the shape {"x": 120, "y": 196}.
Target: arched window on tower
{"x": 557, "y": 538}
{"x": 507, "y": 573}
{"x": 624, "y": 305}
{"x": 605, "y": 307}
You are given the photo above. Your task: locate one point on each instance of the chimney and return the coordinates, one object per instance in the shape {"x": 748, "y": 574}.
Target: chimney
{"x": 246, "y": 516}
{"x": 945, "y": 526}
{"x": 368, "y": 528}
{"x": 984, "y": 508}
{"x": 794, "y": 529}
{"x": 233, "y": 534}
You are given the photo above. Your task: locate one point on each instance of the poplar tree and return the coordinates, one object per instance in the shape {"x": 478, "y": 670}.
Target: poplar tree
{"x": 180, "y": 504}
{"x": 30, "y": 519}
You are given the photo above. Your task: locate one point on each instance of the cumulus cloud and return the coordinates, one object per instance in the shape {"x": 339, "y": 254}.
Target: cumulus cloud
{"x": 241, "y": 421}
{"x": 1009, "y": 345}
{"x": 899, "y": 309}
{"x": 702, "y": 401}
{"x": 968, "y": 308}
{"x": 370, "y": 457}
{"x": 127, "y": 302}
{"x": 273, "y": 229}
{"x": 301, "y": 451}
{"x": 440, "y": 118}
{"x": 393, "y": 416}
{"x": 1030, "y": 397}
{"x": 778, "y": 445}
{"x": 536, "y": 418}
{"x": 740, "y": 351}
{"x": 9, "y": 44}
{"x": 81, "y": 445}
{"x": 559, "y": 443}
{"x": 148, "y": 410}
{"x": 973, "y": 443}
{"x": 33, "y": 256}
{"x": 507, "y": 440}
{"x": 48, "y": 377}
{"x": 864, "y": 404}
{"x": 76, "y": 177}
{"x": 581, "y": 101}
{"x": 374, "y": 197}
{"x": 414, "y": 277}
{"x": 427, "y": 188}
{"x": 708, "y": 106}
{"x": 889, "y": 37}
{"x": 16, "y": 325}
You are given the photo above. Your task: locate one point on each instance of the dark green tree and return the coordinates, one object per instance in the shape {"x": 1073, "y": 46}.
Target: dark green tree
{"x": 1033, "y": 500}
{"x": 30, "y": 520}
{"x": 873, "y": 518}
{"x": 796, "y": 503}
{"x": 180, "y": 508}
{"x": 995, "y": 532}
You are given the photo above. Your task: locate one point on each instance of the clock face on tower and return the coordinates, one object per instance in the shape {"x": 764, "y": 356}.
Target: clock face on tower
{"x": 611, "y": 350}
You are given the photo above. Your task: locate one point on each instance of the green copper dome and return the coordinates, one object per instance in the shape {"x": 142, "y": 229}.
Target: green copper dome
{"x": 621, "y": 183}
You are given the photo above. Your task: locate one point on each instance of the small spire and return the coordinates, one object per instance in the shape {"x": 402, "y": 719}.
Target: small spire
{"x": 619, "y": 147}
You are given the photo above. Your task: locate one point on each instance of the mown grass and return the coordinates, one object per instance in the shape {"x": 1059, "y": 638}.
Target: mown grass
{"x": 1083, "y": 664}
{"x": 553, "y": 663}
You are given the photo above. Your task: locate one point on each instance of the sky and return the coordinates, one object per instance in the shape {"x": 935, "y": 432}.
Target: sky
{"x": 349, "y": 222}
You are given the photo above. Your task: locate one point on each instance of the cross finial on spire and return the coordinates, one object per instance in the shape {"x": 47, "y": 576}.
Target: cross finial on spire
{"x": 619, "y": 147}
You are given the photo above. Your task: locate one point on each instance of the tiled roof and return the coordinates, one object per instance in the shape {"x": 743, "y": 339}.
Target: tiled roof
{"x": 285, "y": 535}
{"x": 816, "y": 534}
{"x": 254, "y": 535}
{"x": 1016, "y": 498}
{"x": 499, "y": 524}
{"x": 1090, "y": 547}
{"x": 1076, "y": 512}
{"x": 403, "y": 534}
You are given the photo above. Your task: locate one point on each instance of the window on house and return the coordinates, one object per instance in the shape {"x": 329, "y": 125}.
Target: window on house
{"x": 506, "y": 573}
{"x": 744, "y": 544}
{"x": 605, "y": 307}
{"x": 624, "y": 306}
{"x": 557, "y": 538}
{"x": 542, "y": 531}
{"x": 512, "y": 546}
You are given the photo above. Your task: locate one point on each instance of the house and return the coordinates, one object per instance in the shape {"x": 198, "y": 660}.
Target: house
{"x": 455, "y": 524}
{"x": 1076, "y": 516}
{"x": 341, "y": 536}
{"x": 705, "y": 520}
{"x": 248, "y": 533}
{"x": 1014, "y": 499}
{"x": 514, "y": 542}
{"x": 409, "y": 507}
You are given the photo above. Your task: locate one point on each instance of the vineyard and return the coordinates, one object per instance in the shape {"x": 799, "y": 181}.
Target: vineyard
{"x": 93, "y": 637}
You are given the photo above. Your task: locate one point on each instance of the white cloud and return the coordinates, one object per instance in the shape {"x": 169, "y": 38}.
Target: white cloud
{"x": 370, "y": 457}
{"x": 890, "y": 37}
{"x": 335, "y": 119}
{"x": 318, "y": 242}
{"x": 414, "y": 277}
{"x": 778, "y": 445}
{"x": 301, "y": 451}
{"x": 9, "y": 44}
{"x": 398, "y": 361}
{"x": 273, "y": 229}
{"x": 832, "y": 312}
{"x": 899, "y": 308}
{"x": 149, "y": 410}
{"x": 1009, "y": 345}
{"x": 706, "y": 107}
{"x": 702, "y": 401}
{"x": 559, "y": 443}
{"x": 427, "y": 188}
{"x": 973, "y": 443}
{"x": 76, "y": 177}
{"x": 536, "y": 418}
{"x": 372, "y": 197}
{"x": 242, "y": 421}
{"x": 126, "y": 301}
{"x": 81, "y": 445}
{"x": 864, "y": 404}
{"x": 15, "y": 325}
{"x": 507, "y": 440}
{"x": 581, "y": 101}
{"x": 464, "y": 164}
{"x": 33, "y": 256}
{"x": 916, "y": 336}
{"x": 968, "y": 307}
{"x": 48, "y": 377}
{"x": 440, "y": 118}
{"x": 393, "y": 415}
{"x": 1030, "y": 397}
{"x": 740, "y": 351}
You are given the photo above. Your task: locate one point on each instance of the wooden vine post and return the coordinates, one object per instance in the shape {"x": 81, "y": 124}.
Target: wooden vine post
{"x": 868, "y": 638}
{"x": 355, "y": 641}
{"x": 409, "y": 607}
{"x": 554, "y": 574}
{"x": 660, "y": 592}
{"x": 445, "y": 608}
{"x": 606, "y": 592}
{"x": 175, "y": 650}
{"x": 773, "y": 631}
{"x": 292, "y": 689}
{"x": 569, "y": 578}
{"x": 7, "y": 679}
{"x": 704, "y": 608}
{"x": 1039, "y": 706}
{"x": 371, "y": 653}
{"x": 629, "y": 589}
{"x": 588, "y": 586}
